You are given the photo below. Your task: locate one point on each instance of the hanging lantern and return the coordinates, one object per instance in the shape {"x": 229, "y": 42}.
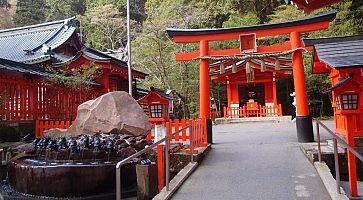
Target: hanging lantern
{"x": 222, "y": 70}
{"x": 263, "y": 66}
{"x": 234, "y": 68}
{"x": 277, "y": 64}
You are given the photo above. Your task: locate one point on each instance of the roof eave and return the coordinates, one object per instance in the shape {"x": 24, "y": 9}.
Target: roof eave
{"x": 193, "y": 32}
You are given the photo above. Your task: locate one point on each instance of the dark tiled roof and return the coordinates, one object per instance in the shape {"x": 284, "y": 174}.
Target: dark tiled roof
{"x": 99, "y": 56}
{"x": 183, "y": 32}
{"x": 162, "y": 93}
{"x": 339, "y": 52}
{"x": 339, "y": 84}
{"x": 22, "y": 68}
{"x": 30, "y": 44}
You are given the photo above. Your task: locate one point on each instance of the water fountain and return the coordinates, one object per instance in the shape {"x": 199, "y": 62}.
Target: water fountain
{"x": 75, "y": 166}
{"x": 80, "y": 161}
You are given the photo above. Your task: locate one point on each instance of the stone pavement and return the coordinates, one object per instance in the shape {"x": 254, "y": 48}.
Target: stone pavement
{"x": 259, "y": 160}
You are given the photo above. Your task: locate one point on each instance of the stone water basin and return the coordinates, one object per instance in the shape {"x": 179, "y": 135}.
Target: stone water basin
{"x": 54, "y": 178}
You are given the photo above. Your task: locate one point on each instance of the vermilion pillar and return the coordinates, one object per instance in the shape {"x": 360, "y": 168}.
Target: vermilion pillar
{"x": 268, "y": 92}
{"x": 274, "y": 93}
{"x": 303, "y": 120}
{"x": 352, "y": 166}
{"x": 106, "y": 82}
{"x": 229, "y": 94}
{"x": 204, "y": 90}
{"x": 234, "y": 94}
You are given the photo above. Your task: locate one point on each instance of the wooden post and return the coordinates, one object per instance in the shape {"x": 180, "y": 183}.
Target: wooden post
{"x": 352, "y": 171}
{"x": 204, "y": 89}
{"x": 229, "y": 94}
{"x": 146, "y": 181}
{"x": 304, "y": 125}
{"x": 160, "y": 163}
{"x": 106, "y": 82}
{"x": 234, "y": 94}
{"x": 274, "y": 93}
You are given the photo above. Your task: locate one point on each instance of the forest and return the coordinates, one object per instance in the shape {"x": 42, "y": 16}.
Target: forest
{"x": 103, "y": 26}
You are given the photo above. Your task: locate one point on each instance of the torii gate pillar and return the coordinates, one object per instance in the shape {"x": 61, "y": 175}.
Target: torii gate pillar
{"x": 304, "y": 124}
{"x": 204, "y": 89}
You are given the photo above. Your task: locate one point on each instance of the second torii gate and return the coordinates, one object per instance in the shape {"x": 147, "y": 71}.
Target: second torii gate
{"x": 248, "y": 38}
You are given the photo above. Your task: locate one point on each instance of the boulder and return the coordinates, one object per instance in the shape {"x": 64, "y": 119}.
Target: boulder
{"x": 114, "y": 112}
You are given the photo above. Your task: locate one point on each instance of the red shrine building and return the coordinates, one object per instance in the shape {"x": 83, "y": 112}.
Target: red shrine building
{"x": 342, "y": 59}
{"x": 30, "y": 55}
{"x": 253, "y": 64}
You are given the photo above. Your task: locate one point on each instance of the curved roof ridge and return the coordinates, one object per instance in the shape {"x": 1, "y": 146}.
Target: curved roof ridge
{"x": 46, "y": 24}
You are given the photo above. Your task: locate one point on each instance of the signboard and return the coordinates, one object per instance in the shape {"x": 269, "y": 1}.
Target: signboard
{"x": 159, "y": 133}
{"x": 248, "y": 43}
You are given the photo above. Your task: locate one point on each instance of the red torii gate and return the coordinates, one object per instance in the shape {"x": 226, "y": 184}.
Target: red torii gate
{"x": 292, "y": 28}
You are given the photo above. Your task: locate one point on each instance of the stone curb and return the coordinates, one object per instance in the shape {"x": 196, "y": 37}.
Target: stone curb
{"x": 176, "y": 182}
{"x": 179, "y": 179}
{"x": 253, "y": 119}
{"x": 329, "y": 182}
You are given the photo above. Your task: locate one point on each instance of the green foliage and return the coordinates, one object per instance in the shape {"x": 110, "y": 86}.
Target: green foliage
{"x": 4, "y": 3}
{"x": 30, "y": 12}
{"x": 62, "y": 9}
{"x": 78, "y": 79}
{"x": 349, "y": 21}
{"x": 247, "y": 19}
{"x": 154, "y": 53}
{"x": 97, "y": 3}
{"x": 286, "y": 13}
{"x": 104, "y": 27}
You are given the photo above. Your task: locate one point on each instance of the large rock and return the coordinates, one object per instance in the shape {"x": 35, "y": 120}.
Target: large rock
{"x": 114, "y": 112}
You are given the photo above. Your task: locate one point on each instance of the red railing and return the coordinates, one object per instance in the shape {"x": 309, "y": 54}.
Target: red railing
{"x": 198, "y": 129}
{"x": 260, "y": 111}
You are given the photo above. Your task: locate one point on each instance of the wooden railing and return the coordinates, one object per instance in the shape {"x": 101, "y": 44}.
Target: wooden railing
{"x": 260, "y": 111}
{"x": 197, "y": 125}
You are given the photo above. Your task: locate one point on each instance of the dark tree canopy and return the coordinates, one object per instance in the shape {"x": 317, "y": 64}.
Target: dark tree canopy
{"x": 30, "y": 12}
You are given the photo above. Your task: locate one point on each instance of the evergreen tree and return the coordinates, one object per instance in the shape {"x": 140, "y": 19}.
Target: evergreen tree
{"x": 30, "y": 12}
{"x": 62, "y": 9}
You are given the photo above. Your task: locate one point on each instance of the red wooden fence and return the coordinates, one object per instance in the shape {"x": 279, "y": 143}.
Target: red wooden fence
{"x": 197, "y": 129}
{"x": 260, "y": 111}
{"x": 34, "y": 98}
{"x": 42, "y": 125}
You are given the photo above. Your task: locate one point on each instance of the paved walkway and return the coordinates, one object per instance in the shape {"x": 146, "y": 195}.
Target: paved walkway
{"x": 254, "y": 161}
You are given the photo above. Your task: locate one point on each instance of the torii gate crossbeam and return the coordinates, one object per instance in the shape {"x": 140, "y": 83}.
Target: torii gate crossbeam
{"x": 291, "y": 28}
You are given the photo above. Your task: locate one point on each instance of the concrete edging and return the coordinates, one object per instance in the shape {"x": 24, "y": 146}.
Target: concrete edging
{"x": 329, "y": 182}
{"x": 253, "y": 119}
{"x": 176, "y": 182}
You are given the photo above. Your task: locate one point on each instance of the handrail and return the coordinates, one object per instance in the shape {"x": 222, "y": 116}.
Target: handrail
{"x": 336, "y": 140}
{"x": 342, "y": 142}
{"x": 137, "y": 154}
